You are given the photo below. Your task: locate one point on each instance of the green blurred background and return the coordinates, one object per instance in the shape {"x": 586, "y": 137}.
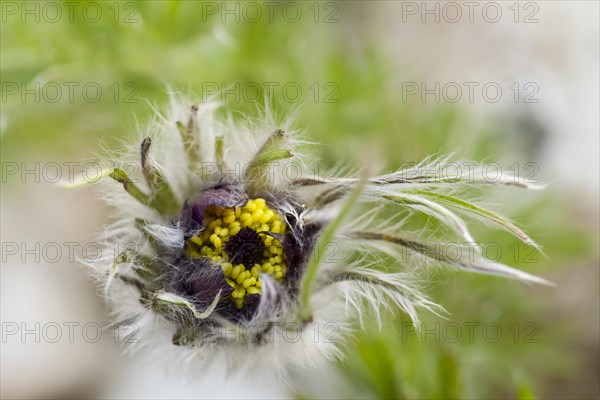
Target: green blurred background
{"x": 74, "y": 82}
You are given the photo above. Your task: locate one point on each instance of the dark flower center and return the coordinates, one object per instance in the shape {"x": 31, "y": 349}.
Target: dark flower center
{"x": 246, "y": 247}
{"x": 246, "y": 241}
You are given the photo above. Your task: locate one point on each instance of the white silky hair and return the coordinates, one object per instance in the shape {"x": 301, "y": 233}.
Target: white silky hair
{"x": 336, "y": 303}
{"x": 148, "y": 334}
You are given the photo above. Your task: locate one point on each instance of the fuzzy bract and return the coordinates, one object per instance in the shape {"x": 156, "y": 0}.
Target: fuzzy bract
{"x": 230, "y": 244}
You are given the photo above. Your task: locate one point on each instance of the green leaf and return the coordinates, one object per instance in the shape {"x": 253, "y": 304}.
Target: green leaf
{"x": 436, "y": 210}
{"x": 162, "y": 197}
{"x": 481, "y": 212}
{"x": 120, "y": 176}
{"x": 439, "y": 253}
{"x": 305, "y": 313}
{"x": 274, "y": 149}
{"x": 190, "y": 136}
{"x": 175, "y": 300}
{"x": 525, "y": 393}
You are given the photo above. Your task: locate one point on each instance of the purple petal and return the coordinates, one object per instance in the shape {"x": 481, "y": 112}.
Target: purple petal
{"x": 192, "y": 216}
{"x": 201, "y": 282}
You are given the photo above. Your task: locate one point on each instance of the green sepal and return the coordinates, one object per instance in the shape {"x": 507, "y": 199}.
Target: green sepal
{"x": 162, "y": 197}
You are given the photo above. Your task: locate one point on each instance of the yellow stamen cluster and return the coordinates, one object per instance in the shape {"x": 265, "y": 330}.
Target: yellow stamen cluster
{"x": 222, "y": 224}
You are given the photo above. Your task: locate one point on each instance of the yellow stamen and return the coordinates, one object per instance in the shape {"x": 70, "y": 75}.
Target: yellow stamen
{"x": 224, "y": 222}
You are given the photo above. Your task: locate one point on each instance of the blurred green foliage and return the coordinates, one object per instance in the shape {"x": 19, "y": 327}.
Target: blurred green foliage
{"x": 350, "y": 97}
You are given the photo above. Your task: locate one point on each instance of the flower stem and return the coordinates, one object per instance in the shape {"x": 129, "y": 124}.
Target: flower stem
{"x": 305, "y": 313}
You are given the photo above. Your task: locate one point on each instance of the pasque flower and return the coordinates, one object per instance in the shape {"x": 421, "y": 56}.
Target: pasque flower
{"x": 223, "y": 227}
